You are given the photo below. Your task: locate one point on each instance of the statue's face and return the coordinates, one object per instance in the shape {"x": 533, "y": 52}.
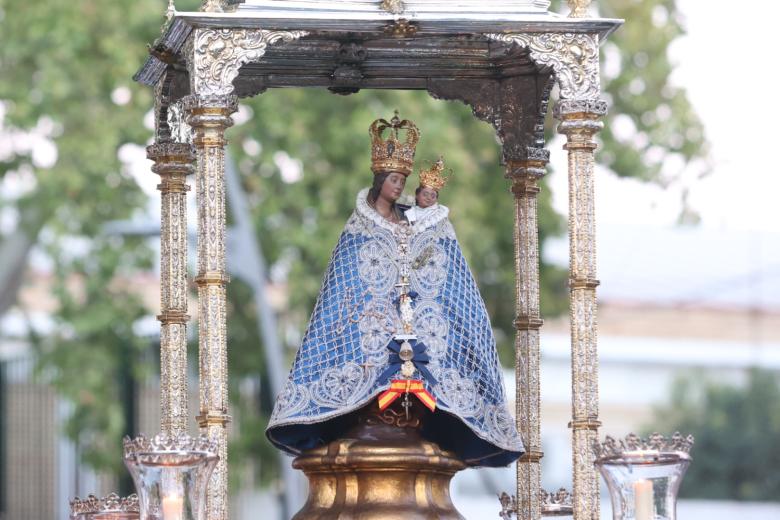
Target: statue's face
{"x": 426, "y": 197}
{"x": 393, "y": 186}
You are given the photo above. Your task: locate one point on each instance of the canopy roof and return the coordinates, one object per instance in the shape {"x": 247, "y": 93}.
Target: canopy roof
{"x": 410, "y": 9}
{"x": 352, "y": 44}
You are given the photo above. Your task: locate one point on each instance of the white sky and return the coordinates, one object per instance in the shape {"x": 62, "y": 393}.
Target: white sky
{"x": 725, "y": 64}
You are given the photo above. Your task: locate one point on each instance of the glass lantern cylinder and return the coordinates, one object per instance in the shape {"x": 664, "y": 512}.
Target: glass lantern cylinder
{"x": 171, "y": 475}
{"x": 111, "y": 507}
{"x": 644, "y": 476}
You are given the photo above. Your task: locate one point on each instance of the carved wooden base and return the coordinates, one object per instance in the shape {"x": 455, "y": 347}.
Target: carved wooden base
{"x": 381, "y": 470}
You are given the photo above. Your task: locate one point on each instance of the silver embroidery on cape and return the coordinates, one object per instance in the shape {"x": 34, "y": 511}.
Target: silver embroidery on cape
{"x": 376, "y": 267}
{"x": 431, "y": 328}
{"x": 342, "y": 385}
{"x": 291, "y": 400}
{"x": 376, "y": 328}
{"x": 429, "y": 263}
{"x": 447, "y": 231}
{"x": 458, "y": 393}
{"x": 502, "y": 424}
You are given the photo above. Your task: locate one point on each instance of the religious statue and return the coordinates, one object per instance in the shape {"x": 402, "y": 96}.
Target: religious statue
{"x": 426, "y": 196}
{"x": 399, "y": 316}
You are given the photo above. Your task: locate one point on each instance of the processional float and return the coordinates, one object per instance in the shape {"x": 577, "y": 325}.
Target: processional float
{"x": 499, "y": 57}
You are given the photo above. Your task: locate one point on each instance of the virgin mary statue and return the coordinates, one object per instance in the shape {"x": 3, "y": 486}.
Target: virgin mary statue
{"x": 398, "y": 300}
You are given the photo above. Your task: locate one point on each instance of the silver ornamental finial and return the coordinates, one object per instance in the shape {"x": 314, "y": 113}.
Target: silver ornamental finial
{"x": 213, "y": 6}
{"x": 558, "y": 503}
{"x": 393, "y": 6}
{"x": 508, "y": 506}
{"x": 579, "y": 8}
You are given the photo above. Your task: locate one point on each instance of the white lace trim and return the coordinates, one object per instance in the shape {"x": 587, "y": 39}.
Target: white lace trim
{"x": 431, "y": 219}
{"x": 364, "y": 209}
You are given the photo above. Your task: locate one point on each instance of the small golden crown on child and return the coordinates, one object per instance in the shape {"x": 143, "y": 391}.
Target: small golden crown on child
{"x": 436, "y": 176}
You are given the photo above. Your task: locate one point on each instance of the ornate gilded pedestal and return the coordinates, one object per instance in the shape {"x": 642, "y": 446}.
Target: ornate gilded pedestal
{"x": 381, "y": 470}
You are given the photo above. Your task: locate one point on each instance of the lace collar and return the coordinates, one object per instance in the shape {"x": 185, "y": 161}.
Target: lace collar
{"x": 431, "y": 219}
{"x": 364, "y": 209}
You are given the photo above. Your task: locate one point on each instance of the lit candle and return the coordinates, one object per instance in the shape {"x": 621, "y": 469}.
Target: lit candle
{"x": 643, "y": 500}
{"x": 173, "y": 507}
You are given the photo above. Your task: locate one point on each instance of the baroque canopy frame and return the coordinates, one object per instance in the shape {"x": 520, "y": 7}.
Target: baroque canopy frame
{"x": 500, "y": 57}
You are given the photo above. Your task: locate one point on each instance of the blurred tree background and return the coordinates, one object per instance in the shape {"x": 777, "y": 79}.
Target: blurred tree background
{"x": 736, "y": 455}
{"x": 70, "y": 110}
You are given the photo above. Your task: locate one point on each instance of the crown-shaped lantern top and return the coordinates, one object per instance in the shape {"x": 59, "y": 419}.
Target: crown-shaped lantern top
{"x": 392, "y": 154}
{"x": 112, "y": 505}
{"x": 436, "y": 176}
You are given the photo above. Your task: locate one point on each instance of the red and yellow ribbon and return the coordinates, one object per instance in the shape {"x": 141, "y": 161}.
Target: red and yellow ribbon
{"x": 399, "y": 387}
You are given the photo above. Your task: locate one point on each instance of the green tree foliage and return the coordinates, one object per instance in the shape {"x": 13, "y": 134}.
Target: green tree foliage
{"x": 736, "y": 455}
{"x": 667, "y": 133}
{"x": 60, "y": 63}
{"x": 94, "y": 347}
{"x": 65, "y": 69}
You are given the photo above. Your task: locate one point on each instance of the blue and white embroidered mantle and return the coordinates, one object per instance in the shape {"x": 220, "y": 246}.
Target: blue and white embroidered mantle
{"x": 344, "y": 349}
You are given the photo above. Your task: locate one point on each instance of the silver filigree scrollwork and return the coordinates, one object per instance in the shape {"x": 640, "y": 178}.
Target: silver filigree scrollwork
{"x": 216, "y": 55}
{"x": 573, "y": 57}
{"x": 179, "y": 129}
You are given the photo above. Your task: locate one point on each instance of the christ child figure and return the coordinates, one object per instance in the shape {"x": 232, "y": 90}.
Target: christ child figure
{"x": 426, "y": 196}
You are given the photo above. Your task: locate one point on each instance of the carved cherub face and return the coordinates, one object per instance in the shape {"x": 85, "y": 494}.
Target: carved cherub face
{"x": 426, "y": 197}
{"x": 393, "y": 186}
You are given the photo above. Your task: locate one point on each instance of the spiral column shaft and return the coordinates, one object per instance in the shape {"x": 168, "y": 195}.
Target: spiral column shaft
{"x": 209, "y": 117}
{"x": 579, "y": 122}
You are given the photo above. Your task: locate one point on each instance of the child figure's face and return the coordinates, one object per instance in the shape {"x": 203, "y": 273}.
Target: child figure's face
{"x": 426, "y": 197}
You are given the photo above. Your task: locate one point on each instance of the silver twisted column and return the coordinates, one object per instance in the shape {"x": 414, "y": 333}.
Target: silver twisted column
{"x": 173, "y": 162}
{"x": 525, "y": 175}
{"x": 209, "y": 117}
{"x": 580, "y": 123}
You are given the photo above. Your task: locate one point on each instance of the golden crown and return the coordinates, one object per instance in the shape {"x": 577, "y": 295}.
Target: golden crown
{"x": 436, "y": 176}
{"x": 391, "y": 154}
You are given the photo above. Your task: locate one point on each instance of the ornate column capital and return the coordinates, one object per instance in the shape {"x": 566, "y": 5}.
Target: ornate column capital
{"x": 580, "y": 122}
{"x": 209, "y": 117}
{"x": 214, "y": 56}
{"x": 525, "y": 177}
{"x": 574, "y": 58}
{"x": 172, "y": 162}
{"x": 212, "y": 105}
{"x": 567, "y": 109}
{"x": 171, "y": 157}
{"x": 532, "y": 166}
